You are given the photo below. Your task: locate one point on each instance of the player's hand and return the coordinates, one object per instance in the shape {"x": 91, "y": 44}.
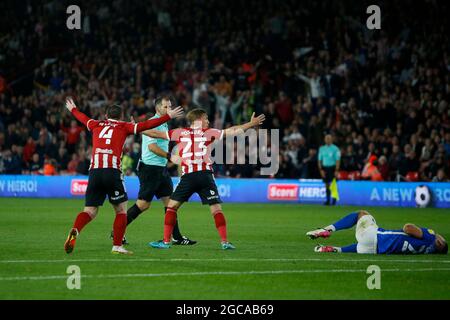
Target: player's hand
{"x": 256, "y": 121}
{"x": 175, "y": 113}
{"x": 70, "y": 105}
{"x": 322, "y": 173}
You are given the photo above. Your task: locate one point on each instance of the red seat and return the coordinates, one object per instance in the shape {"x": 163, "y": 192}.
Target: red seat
{"x": 354, "y": 175}
{"x": 343, "y": 175}
{"x": 412, "y": 176}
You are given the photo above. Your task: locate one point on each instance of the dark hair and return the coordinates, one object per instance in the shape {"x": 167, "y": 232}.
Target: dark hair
{"x": 445, "y": 249}
{"x": 159, "y": 99}
{"x": 195, "y": 114}
{"x": 114, "y": 112}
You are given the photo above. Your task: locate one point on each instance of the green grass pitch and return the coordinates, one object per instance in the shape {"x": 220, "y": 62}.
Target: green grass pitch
{"x": 273, "y": 260}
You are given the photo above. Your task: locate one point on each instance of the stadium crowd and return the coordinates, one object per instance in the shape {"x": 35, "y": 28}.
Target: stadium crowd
{"x": 312, "y": 69}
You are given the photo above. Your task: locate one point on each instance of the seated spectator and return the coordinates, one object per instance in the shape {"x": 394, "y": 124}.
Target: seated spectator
{"x": 310, "y": 170}
{"x": 395, "y": 160}
{"x": 72, "y": 134}
{"x": 440, "y": 176}
{"x": 73, "y": 164}
{"x": 348, "y": 159}
{"x": 83, "y": 164}
{"x": 370, "y": 171}
{"x": 35, "y": 165}
{"x": 383, "y": 168}
{"x": 12, "y": 164}
{"x": 62, "y": 159}
{"x": 49, "y": 167}
{"x": 29, "y": 149}
{"x": 409, "y": 164}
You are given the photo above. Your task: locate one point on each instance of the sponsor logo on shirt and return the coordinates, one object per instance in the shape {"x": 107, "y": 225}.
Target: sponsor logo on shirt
{"x": 107, "y": 151}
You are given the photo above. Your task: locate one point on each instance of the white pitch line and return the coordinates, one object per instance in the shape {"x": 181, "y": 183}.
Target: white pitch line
{"x": 226, "y": 260}
{"x": 221, "y": 273}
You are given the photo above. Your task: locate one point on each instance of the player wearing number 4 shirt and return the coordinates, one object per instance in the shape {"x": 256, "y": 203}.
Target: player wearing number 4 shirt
{"x": 105, "y": 176}
{"x": 374, "y": 240}
{"x": 194, "y": 146}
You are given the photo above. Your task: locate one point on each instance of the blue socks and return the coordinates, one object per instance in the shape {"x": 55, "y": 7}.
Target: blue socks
{"x": 346, "y": 222}
{"x": 349, "y": 248}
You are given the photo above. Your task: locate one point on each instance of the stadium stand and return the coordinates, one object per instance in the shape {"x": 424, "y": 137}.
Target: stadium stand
{"x": 383, "y": 94}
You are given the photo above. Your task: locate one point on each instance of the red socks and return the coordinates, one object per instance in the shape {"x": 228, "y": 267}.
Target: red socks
{"x": 221, "y": 225}
{"x": 171, "y": 218}
{"x": 82, "y": 219}
{"x": 169, "y": 223}
{"x": 120, "y": 224}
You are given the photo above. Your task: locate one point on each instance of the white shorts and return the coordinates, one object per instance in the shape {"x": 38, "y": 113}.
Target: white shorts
{"x": 366, "y": 235}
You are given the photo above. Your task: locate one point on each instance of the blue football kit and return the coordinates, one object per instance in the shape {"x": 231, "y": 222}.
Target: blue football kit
{"x": 396, "y": 241}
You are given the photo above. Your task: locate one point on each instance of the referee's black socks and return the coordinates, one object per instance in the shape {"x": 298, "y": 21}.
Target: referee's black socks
{"x": 133, "y": 213}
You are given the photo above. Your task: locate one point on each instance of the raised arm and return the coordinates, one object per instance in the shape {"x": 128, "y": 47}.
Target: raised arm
{"x": 80, "y": 116}
{"x": 413, "y": 230}
{"x": 254, "y": 122}
{"x": 152, "y": 123}
{"x": 304, "y": 78}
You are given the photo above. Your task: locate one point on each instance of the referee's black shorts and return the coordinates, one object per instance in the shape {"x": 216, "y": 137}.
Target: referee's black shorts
{"x": 153, "y": 181}
{"x": 200, "y": 182}
{"x": 329, "y": 174}
{"x": 105, "y": 182}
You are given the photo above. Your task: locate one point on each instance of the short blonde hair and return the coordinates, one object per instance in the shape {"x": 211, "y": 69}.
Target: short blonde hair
{"x": 195, "y": 114}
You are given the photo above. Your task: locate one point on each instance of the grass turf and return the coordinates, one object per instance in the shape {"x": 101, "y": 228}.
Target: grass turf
{"x": 273, "y": 260}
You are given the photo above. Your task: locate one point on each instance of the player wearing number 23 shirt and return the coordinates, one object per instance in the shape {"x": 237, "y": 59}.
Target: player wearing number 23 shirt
{"x": 105, "y": 176}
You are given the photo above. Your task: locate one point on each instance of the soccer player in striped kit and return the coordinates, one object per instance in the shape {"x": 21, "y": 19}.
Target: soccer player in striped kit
{"x": 197, "y": 174}
{"x": 105, "y": 176}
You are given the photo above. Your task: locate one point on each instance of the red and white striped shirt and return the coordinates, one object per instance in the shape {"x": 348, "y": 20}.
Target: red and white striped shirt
{"x": 108, "y": 138}
{"x": 194, "y": 147}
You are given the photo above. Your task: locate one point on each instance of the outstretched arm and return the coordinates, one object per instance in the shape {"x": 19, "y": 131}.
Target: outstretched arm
{"x": 152, "y": 123}
{"x": 413, "y": 230}
{"x": 304, "y": 78}
{"x": 236, "y": 130}
{"x": 80, "y": 116}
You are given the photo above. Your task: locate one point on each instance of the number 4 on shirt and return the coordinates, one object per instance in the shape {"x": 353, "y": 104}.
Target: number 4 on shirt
{"x": 106, "y": 133}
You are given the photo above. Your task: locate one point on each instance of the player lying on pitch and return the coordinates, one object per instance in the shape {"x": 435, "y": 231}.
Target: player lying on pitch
{"x": 105, "y": 175}
{"x": 374, "y": 240}
{"x": 194, "y": 145}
